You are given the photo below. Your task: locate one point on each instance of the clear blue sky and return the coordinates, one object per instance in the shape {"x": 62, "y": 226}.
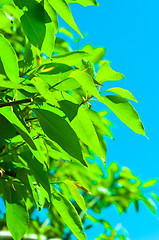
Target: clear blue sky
{"x": 129, "y": 30}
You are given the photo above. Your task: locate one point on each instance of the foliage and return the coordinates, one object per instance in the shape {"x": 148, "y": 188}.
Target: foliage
{"x": 50, "y": 137}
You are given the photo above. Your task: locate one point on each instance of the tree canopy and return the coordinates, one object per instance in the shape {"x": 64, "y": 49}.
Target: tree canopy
{"x": 52, "y": 142}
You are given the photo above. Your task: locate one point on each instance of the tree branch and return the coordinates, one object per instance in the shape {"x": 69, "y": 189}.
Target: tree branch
{"x": 29, "y": 100}
{"x": 23, "y": 143}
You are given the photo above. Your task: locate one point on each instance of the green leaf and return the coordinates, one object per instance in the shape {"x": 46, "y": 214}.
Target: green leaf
{"x": 89, "y": 67}
{"x": 122, "y": 92}
{"x": 37, "y": 169}
{"x": 68, "y": 84}
{"x": 84, "y": 3}
{"x": 13, "y": 119}
{"x": 28, "y": 56}
{"x": 81, "y": 124}
{"x": 62, "y": 8}
{"x": 28, "y": 181}
{"x": 55, "y": 151}
{"x": 99, "y": 122}
{"x": 72, "y": 58}
{"x": 102, "y": 144}
{"x": 149, "y": 183}
{"x": 52, "y": 13}
{"x": 106, "y": 73}
{"x": 5, "y": 22}
{"x": 57, "y": 129}
{"x": 69, "y": 214}
{"x": 16, "y": 213}
{"x": 66, "y": 32}
{"x": 9, "y": 59}
{"x": 43, "y": 89}
{"x": 61, "y": 46}
{"x": 6, "y": 1}
{"x": 85, "y": 80}
{"x": 9, "y": 84}
{"x": 57, "y": 75}
{"x": 37, "y": 24}
{"x": 125, "y": 112}
{"x": 7, "y": 131}
{"x": 76, "y": 194}
{"x": 95, "y": 54}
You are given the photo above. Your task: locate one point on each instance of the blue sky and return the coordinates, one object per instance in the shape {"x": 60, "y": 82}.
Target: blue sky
{"x": 129, "y": 32}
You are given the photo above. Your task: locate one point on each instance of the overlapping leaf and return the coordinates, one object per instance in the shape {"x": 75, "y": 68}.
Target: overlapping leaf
{"x": 76, "y": 194}
{"x": 13, "y": 119}
{"x": 85, "y": 80}
{"x": 16, "y": 212}
{"x": 81, "y": 124}
{"x": 99, "y": 122}
{"x": 72, "y": 58}
{"x": 37, "y": 24}
{"x": 43, "y": 89}
{"x": 62, "y": 8}
{"x": 123, "y": 93}
{"x": 69, "y": 214}
{"x": 125, "y": 112}
{"x": 9, "y": 59}
{"x": 38, "y": 171}
{"x": 55, "y": 126}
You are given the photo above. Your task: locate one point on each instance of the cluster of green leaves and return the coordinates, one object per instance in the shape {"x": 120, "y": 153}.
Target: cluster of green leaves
{"x": 48, "y": 123}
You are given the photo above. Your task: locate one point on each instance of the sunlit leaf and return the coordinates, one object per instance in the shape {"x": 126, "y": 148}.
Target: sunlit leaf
{"x": 99, "y": 122}
{"x": 29, "y": 182}
{"x": 9, "y": 59}
{"x": 95, "y": 54}
{"x": 5, "y": 22}
{"x": 37, "y": 169}
{"x": 16, "y": 213}
{"x": 85, "y": 81}
{"x": 71, "y": 58}
{"x": 37, "y": 25}
{"x": 81, "y": 124}
{"x": 125, "y": 112}
{"x": 89, "y": 68}
{"x": 106, "y": 73}
{"x": 57, "y": 128}
{"x": 43, "y": 89}
{"x": 13, "y": 119}
{"x": 122, "y": 92}
{"x": 69, "y": 214}
{"x": 76, "y": 194}
{"x": 62, "y": 8}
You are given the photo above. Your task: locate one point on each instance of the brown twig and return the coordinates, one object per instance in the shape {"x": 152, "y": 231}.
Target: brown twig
{"x": 29, "y": 100}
